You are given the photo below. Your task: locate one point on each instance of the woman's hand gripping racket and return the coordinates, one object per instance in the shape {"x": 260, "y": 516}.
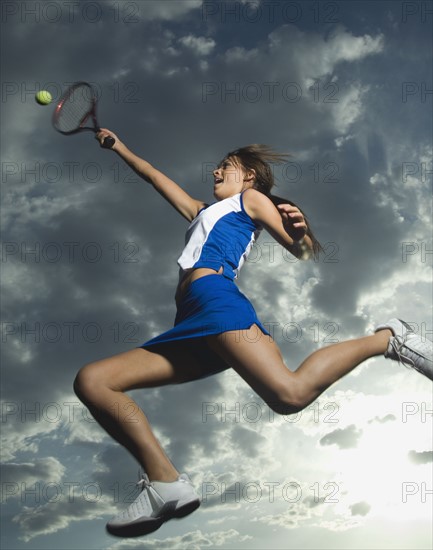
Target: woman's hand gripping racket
{"x": 75, "y": 108}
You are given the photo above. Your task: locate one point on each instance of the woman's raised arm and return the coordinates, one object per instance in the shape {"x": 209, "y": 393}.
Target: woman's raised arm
{"x": 186, "y": 205}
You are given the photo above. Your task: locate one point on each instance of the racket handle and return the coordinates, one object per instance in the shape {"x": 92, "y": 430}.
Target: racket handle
{"x": 108, "y": 142}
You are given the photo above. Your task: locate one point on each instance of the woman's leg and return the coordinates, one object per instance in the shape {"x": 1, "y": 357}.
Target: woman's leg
{"x": 258, "y": 360}
{"x": 101, "y": 386}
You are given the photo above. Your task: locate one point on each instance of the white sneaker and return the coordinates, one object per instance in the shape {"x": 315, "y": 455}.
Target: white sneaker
{"x": 158, "y": 502}
{"x": 408, "y": 348}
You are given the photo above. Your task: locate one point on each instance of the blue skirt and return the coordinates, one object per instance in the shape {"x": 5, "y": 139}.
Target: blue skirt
{"x": 212, "y": 304}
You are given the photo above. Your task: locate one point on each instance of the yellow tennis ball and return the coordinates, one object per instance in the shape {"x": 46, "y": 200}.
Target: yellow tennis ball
{"x": 43, "y": 97}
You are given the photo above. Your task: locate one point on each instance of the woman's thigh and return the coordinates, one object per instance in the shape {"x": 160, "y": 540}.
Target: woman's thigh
{"x": 159, "y": 365}
{"x": 258, "y": 360}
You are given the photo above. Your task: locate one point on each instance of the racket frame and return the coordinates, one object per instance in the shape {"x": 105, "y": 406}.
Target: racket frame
{"x": 91, "y": 113}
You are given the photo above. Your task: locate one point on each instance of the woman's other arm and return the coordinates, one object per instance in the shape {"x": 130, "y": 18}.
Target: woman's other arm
{"x": 284, "y": 223}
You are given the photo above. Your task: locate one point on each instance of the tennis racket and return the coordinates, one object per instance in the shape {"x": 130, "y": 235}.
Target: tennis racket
{"x": 75, "y": 109}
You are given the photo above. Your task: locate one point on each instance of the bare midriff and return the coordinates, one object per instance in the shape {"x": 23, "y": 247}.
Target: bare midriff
{"x": 192, "y": 275}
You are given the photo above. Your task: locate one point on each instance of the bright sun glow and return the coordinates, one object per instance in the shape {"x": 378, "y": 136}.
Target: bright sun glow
{"x": 379, "y": 470}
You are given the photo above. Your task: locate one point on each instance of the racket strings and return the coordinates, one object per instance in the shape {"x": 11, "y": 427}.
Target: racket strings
{"x": 73, "y": 111}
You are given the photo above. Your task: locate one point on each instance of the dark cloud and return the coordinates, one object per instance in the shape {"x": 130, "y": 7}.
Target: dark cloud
{"x": 420, "y": 457}
{"x": 345, "y": 438}
{"x": 360, "y": 508}
{"x": 248, "y": 441}
{"x": 384, "y": 419}
{"x": 313, "y": 501}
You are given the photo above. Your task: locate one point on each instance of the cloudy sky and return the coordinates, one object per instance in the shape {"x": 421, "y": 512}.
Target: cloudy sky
{"x": 89, "y": 265}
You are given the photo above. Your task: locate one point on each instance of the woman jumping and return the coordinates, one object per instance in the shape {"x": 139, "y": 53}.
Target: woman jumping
{"x": 216, "y": 328}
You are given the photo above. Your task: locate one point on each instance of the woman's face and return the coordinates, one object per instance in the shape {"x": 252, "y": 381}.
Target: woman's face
{"x": 230, "y": 179}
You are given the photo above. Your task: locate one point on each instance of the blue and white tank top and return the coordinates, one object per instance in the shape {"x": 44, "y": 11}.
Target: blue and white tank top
{"x": 222, "y": 234}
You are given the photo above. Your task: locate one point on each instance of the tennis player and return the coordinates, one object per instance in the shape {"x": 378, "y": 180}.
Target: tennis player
{"x": 216, "y": 328}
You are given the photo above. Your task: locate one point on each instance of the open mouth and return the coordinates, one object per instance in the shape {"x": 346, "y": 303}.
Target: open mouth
{"x": 218, "y": 180}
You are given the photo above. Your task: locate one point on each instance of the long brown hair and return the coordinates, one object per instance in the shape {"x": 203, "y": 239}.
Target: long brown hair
{"x": 257, "y": 157}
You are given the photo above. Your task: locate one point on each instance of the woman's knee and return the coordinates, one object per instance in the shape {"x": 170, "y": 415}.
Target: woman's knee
{"x": 285, "y": 408}
{"x": 87, "y": 381}
{"x": 287, "y": 400}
